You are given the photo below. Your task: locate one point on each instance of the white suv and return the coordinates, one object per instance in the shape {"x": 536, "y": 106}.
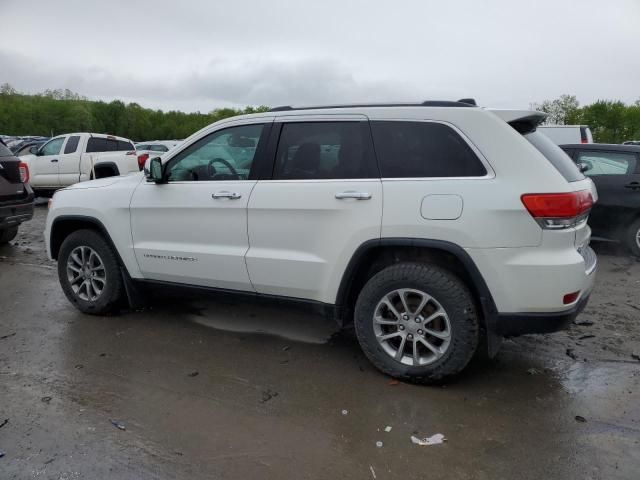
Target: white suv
{"x": 431, "y": 226}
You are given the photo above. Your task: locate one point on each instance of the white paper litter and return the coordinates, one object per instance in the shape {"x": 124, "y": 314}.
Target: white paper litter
{"x": 345, "y": 412}
{"x": 436, "y": 439}
{"x": 387, "y": 429}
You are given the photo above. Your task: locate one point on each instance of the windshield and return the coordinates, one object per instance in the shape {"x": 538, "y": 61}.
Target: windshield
{"x": 556, "y": 156}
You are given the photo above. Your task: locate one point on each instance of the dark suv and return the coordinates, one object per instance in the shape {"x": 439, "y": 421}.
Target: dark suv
{"x": 615, "y": 169}
{"x": 16, "y": 196}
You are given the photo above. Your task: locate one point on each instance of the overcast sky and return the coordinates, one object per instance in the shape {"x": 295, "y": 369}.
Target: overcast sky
{"x": 199, "y": 55}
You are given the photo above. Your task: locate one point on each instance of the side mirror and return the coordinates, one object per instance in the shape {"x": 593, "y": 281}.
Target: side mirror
{"x": 584, "y": 167}
{"x": 153, "y": 170}
{"x": 34, "y": 150}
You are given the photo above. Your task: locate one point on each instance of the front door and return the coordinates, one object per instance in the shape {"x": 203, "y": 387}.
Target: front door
{"x": 44, "y": 166}
{"x": 69, "y": 162}
{"x": 193, "y": 228}
{"x": 322, "y": 202}
{"x": 617, "y": 180}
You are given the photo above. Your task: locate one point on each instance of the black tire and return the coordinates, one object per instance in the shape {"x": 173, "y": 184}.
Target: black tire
{"x": 112, "y": 295}
{"x": 8, "y": 234}
{"x": 453, "y": 296}
{"x": 633, "y": 238}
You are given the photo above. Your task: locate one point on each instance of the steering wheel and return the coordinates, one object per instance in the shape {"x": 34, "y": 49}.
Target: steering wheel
{"x": 211, "y": 170}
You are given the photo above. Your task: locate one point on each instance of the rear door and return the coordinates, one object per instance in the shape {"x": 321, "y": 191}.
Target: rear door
{"x": 617, "y": 180}
{"x": 45, "y": 166}
{"x": 322, "y": 202}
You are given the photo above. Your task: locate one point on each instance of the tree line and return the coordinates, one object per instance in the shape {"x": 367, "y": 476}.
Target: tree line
{"x": 54, "y": 112}
{"x": 611, "y": 121}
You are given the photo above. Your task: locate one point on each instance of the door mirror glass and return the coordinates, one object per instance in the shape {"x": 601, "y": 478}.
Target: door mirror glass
{"x": 34, "y": 150}
{"x": 584, "y": 167}
{"x": 153, "y": 172}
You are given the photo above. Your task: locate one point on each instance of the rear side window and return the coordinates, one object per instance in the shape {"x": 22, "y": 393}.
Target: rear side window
{"x": 97, "y": 144}
{"x": 423, "y": 149}
{"x": 555, "y": 155}
{"x": 324, "y": 150}
{"x": 125, "y": 146}
{"x": 607, "y": 163}
{"x": 72, "y": 144}
{"x": 158, "y": 148}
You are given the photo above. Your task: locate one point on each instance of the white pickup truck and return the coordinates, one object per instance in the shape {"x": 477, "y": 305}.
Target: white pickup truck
{"x": 78, "y": 157}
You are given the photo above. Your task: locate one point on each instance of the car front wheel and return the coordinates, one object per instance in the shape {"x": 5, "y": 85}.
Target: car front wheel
{"x": 633, "y": 238}
{"x": 89, "y": 273}
{"x": 417, "y": 322}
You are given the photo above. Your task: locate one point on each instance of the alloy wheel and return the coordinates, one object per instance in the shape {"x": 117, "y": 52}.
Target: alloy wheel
{"x": 86, "y": 273}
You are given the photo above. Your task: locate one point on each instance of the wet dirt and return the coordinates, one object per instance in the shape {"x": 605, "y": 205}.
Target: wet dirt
{"x": 271, "y": 385}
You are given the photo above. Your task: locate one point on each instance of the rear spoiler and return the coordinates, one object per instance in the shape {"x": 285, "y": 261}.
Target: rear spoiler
{"x": 523, "y": 121}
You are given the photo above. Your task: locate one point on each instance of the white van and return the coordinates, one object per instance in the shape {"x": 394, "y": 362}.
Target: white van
{"x": 565, "y": 134}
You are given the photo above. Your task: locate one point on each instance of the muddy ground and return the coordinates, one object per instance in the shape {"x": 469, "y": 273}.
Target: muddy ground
{"x": 205, "y": 388}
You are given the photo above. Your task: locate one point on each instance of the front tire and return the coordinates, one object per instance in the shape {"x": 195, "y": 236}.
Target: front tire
{"x": 633, "y": 238}
{"x": 417, "y": 322}
{"x": 89, "y": 273}
{"x": 8, "y": 234}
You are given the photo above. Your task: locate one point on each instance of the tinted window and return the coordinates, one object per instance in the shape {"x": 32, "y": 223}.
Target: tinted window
{"x": 423, "y": 149}
{"x": 53, "y": 147}
{"x": 607, "y": 163}
{"x": 125, "y": 146}
{"x": 142, "y": 147}
{"x": 317, "y": 150}
{"x": 555, "y": 155}
{"x": 158, "y": 148}
{"x": 223, "y": 155}
{"x": 72, "y": 144}
{"x": 96, "y": 144}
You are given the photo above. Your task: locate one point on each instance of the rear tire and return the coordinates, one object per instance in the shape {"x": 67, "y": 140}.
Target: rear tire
{"x": 89, "y": 273}
{"x": 8, "y": 234}
{"x": 448, "y": 321}
{"x": 633, "y": 238}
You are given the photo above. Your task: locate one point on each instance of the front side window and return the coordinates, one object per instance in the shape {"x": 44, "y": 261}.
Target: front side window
{"x": 53, "y": 147}
{"x": 223, "y": 155}
{"x": 323, "y": 150}
{"x": 423, "y": 149}
{"x": 157, "y": 148}
{"x": 607, "y": 163}
{"x": 72, "y": 144}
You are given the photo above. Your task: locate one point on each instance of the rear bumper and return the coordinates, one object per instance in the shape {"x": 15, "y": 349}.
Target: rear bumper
{"x": 515, "y": 324}
{"x": 14, "y": 214}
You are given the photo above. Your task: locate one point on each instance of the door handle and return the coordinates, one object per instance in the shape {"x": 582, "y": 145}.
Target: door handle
{"x": 356, "y": 195}
{"x": 54, "y": 160}
{"x": 633, "y": 185}
{"x": 225, "y": 194}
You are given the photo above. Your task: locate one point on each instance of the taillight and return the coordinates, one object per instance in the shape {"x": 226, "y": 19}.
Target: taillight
{"x": 584, "y": 140}
{"x": 142, "y": 159}
{"x": 24, "y": 172}
{"x": 559, "y": 210}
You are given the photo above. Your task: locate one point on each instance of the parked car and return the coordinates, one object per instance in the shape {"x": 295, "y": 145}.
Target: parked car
{"x": 427, "y": 225}
{"x": 24, "y": 148}
{"x": 16, "y": 197}
{"x": 78, "y": 157}
{"x": 615, "y": 169}
{"x": 631, "y": 142}
{"x": 153, "y": 148}
{"x": 563, "y": 134}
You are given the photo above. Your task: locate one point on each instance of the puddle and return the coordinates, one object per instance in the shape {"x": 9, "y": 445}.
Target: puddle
{"x": 292, "y": 324}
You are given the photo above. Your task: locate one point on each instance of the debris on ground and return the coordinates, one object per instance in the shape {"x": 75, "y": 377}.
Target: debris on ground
{"x": 2, "y": 454}
{"x": 435, "y": 439}
{"x": 533, "y": 371}
{"x": 4, "y": 422}
{"x": 379, "y": 444}
{"x": 195, "y": 373}
{"x": 285, "y": 348}
{"x": 345, "y": 412}
{"x": 583, "y": 323}
{"x": 387, "y": 428}
{"x": 268, "y": 395}
{"x": 373, "y": 472}
{"x": 7, "y": 335}
{"x": 580, "y": 419}
{"x": 584, "y": 337}
{"x": 636, "y": 356}
{"x": 118, "y": 424}
{"x": 79, "y": 366}
{"x": 571, "y": 354}
{"x": 46, "y": 399}
{"x": 103, "y": 355}
{"x": 394, "y": 382}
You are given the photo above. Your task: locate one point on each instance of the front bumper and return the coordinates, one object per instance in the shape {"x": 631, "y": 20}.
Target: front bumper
{"x": 14, "y": 214}
{"x": 515, "y": 324}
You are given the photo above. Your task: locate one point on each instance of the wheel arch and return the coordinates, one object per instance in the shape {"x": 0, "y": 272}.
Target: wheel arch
{"x": 374, "y": 255}
{"x": 104, "y": 167}
{"x": 65, "y": 225}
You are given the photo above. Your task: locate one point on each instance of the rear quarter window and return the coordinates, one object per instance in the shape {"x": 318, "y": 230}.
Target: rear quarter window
{"x": 555, "y": 155}
{"x": 423, "y": 149}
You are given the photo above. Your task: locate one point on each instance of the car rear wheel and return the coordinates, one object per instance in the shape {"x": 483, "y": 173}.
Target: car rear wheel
{"x": 633, "y": 238}
{"x": 417, "y": 322}
{"x": 8, "y": 234}
{"x": 89, "y": 273}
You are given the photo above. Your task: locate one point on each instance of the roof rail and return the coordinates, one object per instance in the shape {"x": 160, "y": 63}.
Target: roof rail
{"x": 465, "y": 102}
